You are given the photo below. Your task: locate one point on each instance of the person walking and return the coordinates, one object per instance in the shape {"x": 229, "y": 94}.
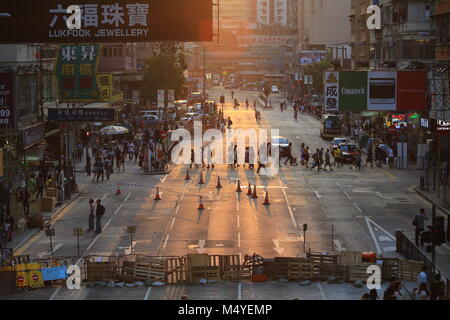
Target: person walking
{"x": 108, "y": 168}
{"x": 25, "y": 196}
{"x": 88, "y": 165}
{"x": 295, "y": 115}
{"x": 100, "y": 169}
{"x": 369, "y": 157}
{"x": 91, "y": 215}
{"x": 327, "y": 161}
{"x": 229, "y": 123}
{"x": 290, "y": 158}
{"x": 40, "y": 184}
{"x": 316, "y": 158}
{"x": 99, "y": 212}
{"x": 307, "y": 155}
{"x": 419, "y": 223}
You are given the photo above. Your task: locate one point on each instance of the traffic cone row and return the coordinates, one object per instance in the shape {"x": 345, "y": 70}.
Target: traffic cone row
{"x": 238, "y": 188}
{"x": 118, "y": 191}
{"x": 249, "y": 191}
{"x": 218, "y": 183}
{"x": 157, "y": 197}
{"x": 201, "y": 206}
{"x": 266, "y": 200}
{"x": 254, "y": 195}
{"x": 201, "y": 179}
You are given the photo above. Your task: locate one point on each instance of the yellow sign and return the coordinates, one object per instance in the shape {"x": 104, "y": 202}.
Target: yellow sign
{"x": 105, "y": 85}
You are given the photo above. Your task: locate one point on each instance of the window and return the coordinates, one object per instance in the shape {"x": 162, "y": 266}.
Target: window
{"x": 113, "y": 51}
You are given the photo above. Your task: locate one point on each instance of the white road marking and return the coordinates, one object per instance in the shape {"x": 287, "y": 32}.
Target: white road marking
{"x": 54, "y": 293}
{"x": 239, "y": 240}
{"x": 382, "y": 229}
{"x": 171, "y": 225}
{"x": 239, "y": 291}
{"x": 389, "y": 249}
{"x": 345, "y": 192}
{"x": 165, "y": 241}
{"x": 277, "y": 246}
{"x": 48, "y": 253}
{"x": 373, "y": 235}
{"x": 321, "y": 291}
{"x": 318, "y": 196}
{"x": 445, "y": 246}
{"x": 294, "y": 223}
{"x": 237, "y": 202}
{"x": 104, "y": 196}
{"x": 147, "y": 294}
{"x": 337, "y": 244}
{"x": 357, "y": 207}
{"x": 164, "y": 178}
{"x": 298, "y": 137}
{"x": 384, "y": 238}
{"x": 238, "y": 222}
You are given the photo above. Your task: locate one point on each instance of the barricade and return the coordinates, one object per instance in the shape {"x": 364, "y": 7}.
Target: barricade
{"x": 101, "y": 270}
{"x": 149, "y": 268}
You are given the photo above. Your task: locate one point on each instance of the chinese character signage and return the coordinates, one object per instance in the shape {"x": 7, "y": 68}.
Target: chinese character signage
{"x": 312, "y": 56}
{"x": 6, "y": 100}
{"x": 105, "y": 83}
{"x": 81, "y": 114}
{"x": 331, "y": 88}
{"x": 45, "y": 21}
{"x": 76, "y": 73}
{"x": 375, "y": 91}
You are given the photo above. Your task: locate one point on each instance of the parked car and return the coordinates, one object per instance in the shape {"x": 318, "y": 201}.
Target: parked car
{"x": 282, "y": 143}
{"x": 150, "y": 119}
{"x": 337, "y": 141}
{"x": 275, "y": 89}
{"x": 349, "y": 151}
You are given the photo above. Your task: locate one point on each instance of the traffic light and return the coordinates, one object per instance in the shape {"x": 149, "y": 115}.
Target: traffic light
{"x": 305, "y": 227}
{"x": 222, "y": 99}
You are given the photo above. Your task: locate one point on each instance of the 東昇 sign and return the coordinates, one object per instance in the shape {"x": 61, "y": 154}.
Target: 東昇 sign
{"x": 46, "y": 21}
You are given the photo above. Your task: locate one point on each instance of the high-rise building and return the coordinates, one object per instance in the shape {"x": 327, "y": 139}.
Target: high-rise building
{"x": 323, "y": 22}
{"x": 360, "y": 34}
{"x": 275, "y": 12}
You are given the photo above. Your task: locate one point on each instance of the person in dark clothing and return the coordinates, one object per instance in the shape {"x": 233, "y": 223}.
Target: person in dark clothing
{"x": 100, "y": 169}
{"x": 193, "y": 159}
{"x": 419, "y": 223}
{"x": 25, "y": 195}
{"x": 290, "y": 158}
{"x": 40, "y": 184}
{"x": 327, "y": 161}
{"x": 373, "y": 294}
{"x": 369, "y": 157}
{"x": 88, "y": 165}
{"x": 437, "y": 288}
{"x": 99, "y": 212}
{"x": 316, "y": 158}
{"x": 91, "y": 215}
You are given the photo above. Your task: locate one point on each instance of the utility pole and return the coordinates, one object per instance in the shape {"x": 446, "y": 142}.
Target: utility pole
{"x": 204, "y": 73}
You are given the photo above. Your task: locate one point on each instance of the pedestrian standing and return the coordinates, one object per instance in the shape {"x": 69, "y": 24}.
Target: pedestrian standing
{"x": 25, "y": 195}
{"x": 327, "y": 161}
{"x": 437, "y": 288}
{"x": 40, "y": 184}
{"x": 88, "y": 165}
{"x": 100, "y": 169}
{"x": 99, "y": 212}
{"x": 107, "y": 165}
{"x": 419, "y": 223}
{"x": 369, "y": 157}
{"x": 295, "y": 115}
{"x": 91, "y": 215}
{"x": 307, "y": 155}
{"x": 321, "y": 157}
{"x": 422, "y": 277}
{"x": 391, "y": 158}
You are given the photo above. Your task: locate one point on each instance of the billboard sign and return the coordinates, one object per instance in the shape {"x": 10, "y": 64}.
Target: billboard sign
{"x": 76, "y": 73}
{"x": 376, "y": 90}
{"x": 353, "y": 90}
{"x": 45, "y": 21}
{"x": 308, "y": 57}
{"x": 81, "y": 114}
{"x": 6, "y": 100}
{"x": 331, "y": 94}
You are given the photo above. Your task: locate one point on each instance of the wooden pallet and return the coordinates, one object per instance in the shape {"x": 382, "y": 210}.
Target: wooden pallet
{"x": 358, "y": 272}
{"x": 149, "y": 268}
{"x": 390, "y": 268}
{"x": 325, "y": 270}
{"x": 348, "y": 258}
{"x": 281, "y": 267}
{"x": 205, "y": 272}
{"x": 101, "y": 271}
{"x": 320, "y": 258}
{"x": 237, "y": 273}
{"x": 176, "y": 270}
{"x": 409, "y": 269}
{"x": 127, "y": 272}
{"x": 299, "y": 269}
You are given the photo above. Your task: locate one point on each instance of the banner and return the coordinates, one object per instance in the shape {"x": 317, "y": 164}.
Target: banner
{"x": 76, "y": 73}
{"x": 375, "y": 90}
{"x": 81, "y": 114}
{"x": 6, "y": 100}
{"x": 160, "y": 99}
{"x": 331, "y": 93}
{"x": 105, "y": 84}
{"x": 411, "y": 90}
{"x": 353, "y": 90}
{"x": 170, "y": 98}
{"x": 44, "y": 21}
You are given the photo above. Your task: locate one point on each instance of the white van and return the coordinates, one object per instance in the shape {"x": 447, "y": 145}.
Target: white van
{"x": 143, "y": 114}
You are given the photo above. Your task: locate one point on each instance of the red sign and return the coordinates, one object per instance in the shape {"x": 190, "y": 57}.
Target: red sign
{"x": 411, "y": 90}
{"x": 35, "y": 277}
{"x": 20, "y": 279}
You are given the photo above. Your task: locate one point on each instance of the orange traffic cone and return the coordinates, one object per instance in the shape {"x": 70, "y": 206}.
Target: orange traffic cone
{"x": 157, "y": 197}
{"x": 266, "y": 200}
{"x": 254, "y": 196}
{"x": 238, "y": 188}
{"x": 187, "y": 175}
{"x": 218, "y": 183}
{"x": 201, "y": 206}
{"x": 201, "y": 179}
{"x": 118, "y": 191}
{"x": 249, "y": 191}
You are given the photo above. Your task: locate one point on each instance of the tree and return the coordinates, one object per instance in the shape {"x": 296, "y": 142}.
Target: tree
{"x": 317, "y": 70}
{"x": 164, "y": 70}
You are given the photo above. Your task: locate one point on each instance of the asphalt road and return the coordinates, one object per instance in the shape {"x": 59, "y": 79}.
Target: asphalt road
{"x": 345, "y": 209}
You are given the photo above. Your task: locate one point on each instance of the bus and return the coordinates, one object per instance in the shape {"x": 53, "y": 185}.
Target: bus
{"x": 332, "y": 126}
